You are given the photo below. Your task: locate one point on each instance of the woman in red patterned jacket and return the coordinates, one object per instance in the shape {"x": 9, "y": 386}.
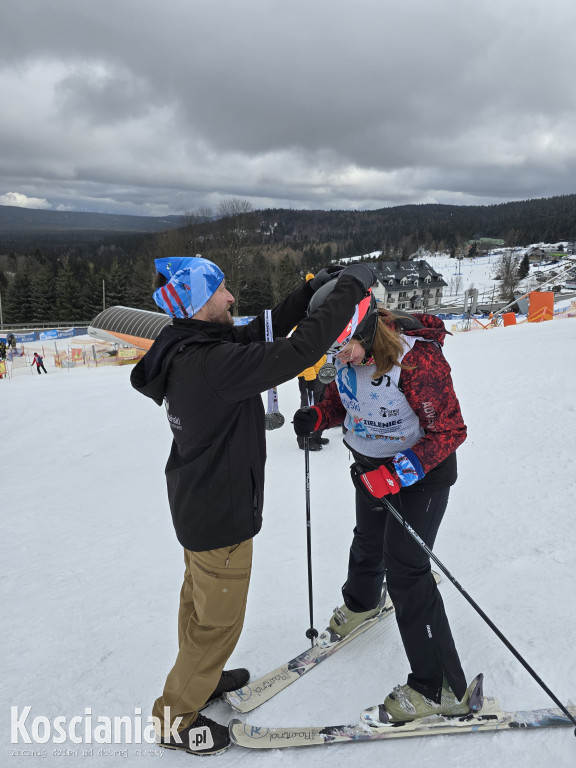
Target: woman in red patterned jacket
{"x": 393, "y": 392}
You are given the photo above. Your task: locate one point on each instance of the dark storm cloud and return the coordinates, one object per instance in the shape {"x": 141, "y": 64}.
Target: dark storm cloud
{"x": 139, "y": 106}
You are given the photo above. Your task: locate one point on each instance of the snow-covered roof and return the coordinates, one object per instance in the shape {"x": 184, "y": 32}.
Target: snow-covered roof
{"x": 410, "y": 270}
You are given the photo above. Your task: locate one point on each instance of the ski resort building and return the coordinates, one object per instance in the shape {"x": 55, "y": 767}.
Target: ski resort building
{"x": 409, "y": 285}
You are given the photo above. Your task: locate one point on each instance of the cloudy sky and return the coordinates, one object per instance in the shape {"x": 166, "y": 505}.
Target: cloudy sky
{"x": 140, "y": 107}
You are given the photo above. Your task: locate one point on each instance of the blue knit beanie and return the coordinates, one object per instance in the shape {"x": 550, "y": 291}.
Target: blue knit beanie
{"x": 193, "y": 280}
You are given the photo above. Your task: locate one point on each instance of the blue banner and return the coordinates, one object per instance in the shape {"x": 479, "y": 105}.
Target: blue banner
{"x": 23, "y": 338}
{"x": 46, "y": 335}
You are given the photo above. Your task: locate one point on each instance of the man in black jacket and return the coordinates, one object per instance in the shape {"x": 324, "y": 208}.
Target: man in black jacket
{"x": 210, "y": 375}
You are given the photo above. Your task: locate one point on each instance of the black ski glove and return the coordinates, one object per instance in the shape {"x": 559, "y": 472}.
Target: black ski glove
{"x": 361, "y": 273}
{"x": 306, "y": 421}
{"x": 325, "y": 275}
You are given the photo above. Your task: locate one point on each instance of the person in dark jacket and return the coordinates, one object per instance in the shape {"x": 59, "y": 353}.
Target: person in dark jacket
{"x": 210, "y": 374}
{"x": 394, "y": 393}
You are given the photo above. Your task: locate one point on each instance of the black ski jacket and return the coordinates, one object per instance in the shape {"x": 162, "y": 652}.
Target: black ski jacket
{"x": 211, "y": 377}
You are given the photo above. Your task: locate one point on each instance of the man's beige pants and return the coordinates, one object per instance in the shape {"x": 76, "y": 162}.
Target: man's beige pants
{"x": 210, "y": 619}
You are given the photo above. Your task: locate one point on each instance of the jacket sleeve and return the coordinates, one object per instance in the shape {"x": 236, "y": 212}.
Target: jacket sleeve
{"x": 237, "y": 371}
{"x": 430, "y": 393}
{"x": 285, "y": 316}
{"x": 331, "y": 409}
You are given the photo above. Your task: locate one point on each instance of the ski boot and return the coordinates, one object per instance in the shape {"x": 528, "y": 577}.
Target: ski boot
{"x": 344, "y": 621}
{"x": 405, "y": 704}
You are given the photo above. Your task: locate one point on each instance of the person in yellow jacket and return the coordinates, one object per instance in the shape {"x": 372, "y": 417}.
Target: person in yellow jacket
{"x": 311, "y": 393}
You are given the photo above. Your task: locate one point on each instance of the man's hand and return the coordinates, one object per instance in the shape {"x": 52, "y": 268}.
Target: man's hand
{"x": 361, "y": 273}
{"x": 325, "y": 275}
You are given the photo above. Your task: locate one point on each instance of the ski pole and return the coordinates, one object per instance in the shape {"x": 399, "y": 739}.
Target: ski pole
{"x": 311, "y": 633}
{"x": 273, "y": 418}
{"x": 476, "y": 607}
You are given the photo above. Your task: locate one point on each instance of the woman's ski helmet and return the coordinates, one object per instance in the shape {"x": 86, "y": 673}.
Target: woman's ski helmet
{"x": 362, "y": 324}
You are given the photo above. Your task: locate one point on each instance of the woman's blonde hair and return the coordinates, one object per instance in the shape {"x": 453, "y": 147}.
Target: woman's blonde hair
{"x": 387, "y": 346}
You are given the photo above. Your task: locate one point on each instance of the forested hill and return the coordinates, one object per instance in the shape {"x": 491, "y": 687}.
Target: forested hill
{"x": 432, "y": 225}
{"x": 16, "y": 222}
{"x": 58, "y": 272}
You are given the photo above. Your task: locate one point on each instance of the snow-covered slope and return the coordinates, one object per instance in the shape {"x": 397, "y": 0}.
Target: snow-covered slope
{"x": 91, "y": 569}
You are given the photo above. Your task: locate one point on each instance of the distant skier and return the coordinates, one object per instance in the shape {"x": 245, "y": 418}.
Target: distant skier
{"x": 38, "y": 361}
{"x": 394, "y": 393}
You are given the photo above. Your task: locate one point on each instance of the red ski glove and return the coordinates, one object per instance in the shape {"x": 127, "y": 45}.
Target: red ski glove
{"x": 375, "y": 482}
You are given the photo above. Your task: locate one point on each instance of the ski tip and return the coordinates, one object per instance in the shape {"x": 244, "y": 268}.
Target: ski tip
{"x": 234, "y": 721}
{"x": 232, "y": 725}
{"x": 236, "y": 699}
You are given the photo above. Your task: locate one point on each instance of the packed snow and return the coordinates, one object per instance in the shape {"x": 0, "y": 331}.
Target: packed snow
{"x": 92, "y": 570}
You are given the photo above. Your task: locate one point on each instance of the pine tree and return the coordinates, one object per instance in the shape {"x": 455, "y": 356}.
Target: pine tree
{"x": 473, "y": 250}
{"x": 524, "y": 267}
{"x": 287, "y": 278}
{"x": 92, "y": 295}
{"x": 43, "y": 294}
{"x": 258, "y": 294}
{"x": 17, "y": 307}
{"x": 140, "y": 279}
{"x": 68, "y": 299}
{"x": 116, "y": 285}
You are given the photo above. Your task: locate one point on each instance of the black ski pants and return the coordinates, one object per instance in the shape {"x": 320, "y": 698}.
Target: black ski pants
{"x": 382, "y": 548}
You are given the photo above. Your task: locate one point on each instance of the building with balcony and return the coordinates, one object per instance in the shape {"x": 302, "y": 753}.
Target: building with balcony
{"x": 408, "y": 285}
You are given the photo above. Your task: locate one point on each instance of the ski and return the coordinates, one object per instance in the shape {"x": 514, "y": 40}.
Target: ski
{"x": 489, "y": 718}
{"x": 259, "y": 691}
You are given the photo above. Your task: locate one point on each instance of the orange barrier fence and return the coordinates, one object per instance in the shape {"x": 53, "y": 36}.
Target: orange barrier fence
{"x": 509, "y": 318}
{"x": 541, "y": 306}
